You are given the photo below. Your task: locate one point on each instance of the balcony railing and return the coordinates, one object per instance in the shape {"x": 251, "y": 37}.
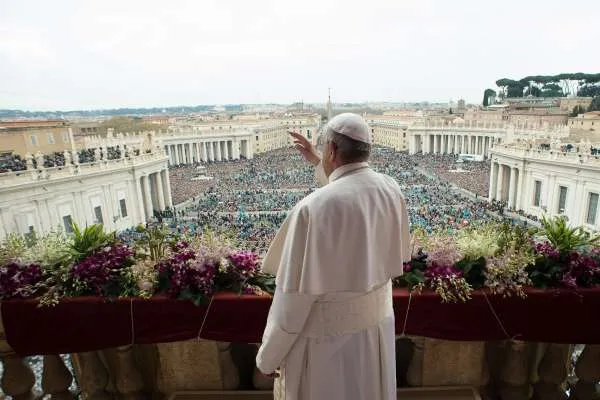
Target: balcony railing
{"x": 496, "y": 369}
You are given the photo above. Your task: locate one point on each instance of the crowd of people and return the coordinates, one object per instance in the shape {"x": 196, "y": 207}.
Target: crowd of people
{"x": 14, "y": 162}
{"x": 472, "y": 176}
{"x": 249, "y": 199}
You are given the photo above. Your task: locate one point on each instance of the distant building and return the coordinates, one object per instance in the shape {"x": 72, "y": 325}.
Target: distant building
{"x": 117, "y": 192}
{"x": 156, "y": 119}
{"x": 569, "y": 103}
{"x": 30, "y": 136}
{"x": 589, "y": 121}
{"x": 547, "y": 182}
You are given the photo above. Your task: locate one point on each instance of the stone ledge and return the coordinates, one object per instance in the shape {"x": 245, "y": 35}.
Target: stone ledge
{"x": 430, "y": 393}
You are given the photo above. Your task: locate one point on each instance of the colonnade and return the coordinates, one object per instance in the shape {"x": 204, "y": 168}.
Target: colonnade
{"x": 431, "y": 143}
{"x": 506, "y": 184}
{"x": 195, "y": 151}
{"x": 154, "y": 193}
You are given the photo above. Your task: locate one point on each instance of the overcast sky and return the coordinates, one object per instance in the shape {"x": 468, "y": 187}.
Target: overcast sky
{"x": 102, "y": 54}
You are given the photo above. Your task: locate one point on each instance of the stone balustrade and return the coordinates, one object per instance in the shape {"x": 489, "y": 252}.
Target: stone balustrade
{"x": 498, "y": 370}
{"x": 72, "y": 168}
{"x": 529, "y": 152}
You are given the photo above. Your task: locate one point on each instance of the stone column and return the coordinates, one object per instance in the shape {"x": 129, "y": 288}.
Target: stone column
{"x": 218, "y": 146}
{"x": 493, "y": 181}
{"x": 204, "y": 152}
{"x": 226, "y": 150}
{"x": 181, "y": 153}
{"x": 140, "y": 200}
{"x": 500, "y": 182}
{"x": 209, "y": 153}
{"x": 512, "y": 188}
{"x": 147, "y": 197}
{"x": 250, "y": 150}
{"x": 159, "y": 191}
{"x": 177, "y": 158}
{"x": 519, "y": 189}
{"x": 167, "y": 188}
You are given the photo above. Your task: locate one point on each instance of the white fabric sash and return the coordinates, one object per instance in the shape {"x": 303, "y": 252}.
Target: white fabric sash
{"x": 346, "y": 317}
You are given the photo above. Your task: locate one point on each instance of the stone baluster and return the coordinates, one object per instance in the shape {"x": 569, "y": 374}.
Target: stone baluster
{"x": 447, "y": 363}
{"x": 128, "y": 379}
{"x": 97, "y": 157}
{"x": 230, "y": 374}
{"x": 93, "y": 376}
{"x": 18, "y": 378}
{"x": 552, "y": 371}
{"x": 587, "y": 370}
{"x": 515, "y": 376}
{"x": 56, "y": 378}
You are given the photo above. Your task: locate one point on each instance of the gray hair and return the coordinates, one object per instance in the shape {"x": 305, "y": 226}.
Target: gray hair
{"x": 349, "y": 150}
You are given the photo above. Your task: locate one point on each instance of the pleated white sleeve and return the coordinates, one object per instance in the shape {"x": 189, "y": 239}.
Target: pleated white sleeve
{"x": 287, "y": 316}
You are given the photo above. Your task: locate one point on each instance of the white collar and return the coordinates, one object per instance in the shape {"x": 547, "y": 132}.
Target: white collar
{"x": 344, "y": 169}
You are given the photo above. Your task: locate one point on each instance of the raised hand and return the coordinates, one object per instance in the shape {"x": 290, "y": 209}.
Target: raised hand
{"x": 308, "y": 151}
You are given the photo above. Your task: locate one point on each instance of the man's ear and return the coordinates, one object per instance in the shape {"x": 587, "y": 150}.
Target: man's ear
{"x": 332, "y": 152}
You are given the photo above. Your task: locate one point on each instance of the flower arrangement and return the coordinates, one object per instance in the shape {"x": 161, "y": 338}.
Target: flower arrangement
{"x": 500, "y": 259}
{"x": 93, "y": 262}
{"x": 503, "y": 260}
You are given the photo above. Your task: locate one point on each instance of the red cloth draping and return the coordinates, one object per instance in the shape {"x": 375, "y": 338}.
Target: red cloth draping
{"x": 91, "y": 323}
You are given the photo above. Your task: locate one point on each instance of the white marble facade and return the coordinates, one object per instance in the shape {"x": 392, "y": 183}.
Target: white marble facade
{"x": 547, "y": 182}
{"x": 188, "y": 147}
{"x": 470, "y": 137}
{"x": 119, "y": 193}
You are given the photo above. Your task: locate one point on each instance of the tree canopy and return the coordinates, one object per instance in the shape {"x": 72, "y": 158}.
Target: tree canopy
{"x": 561, "y": 85}
{"x": 487, "y": 95}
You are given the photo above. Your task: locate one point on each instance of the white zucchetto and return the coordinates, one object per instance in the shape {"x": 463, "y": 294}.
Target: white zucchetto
{"x": 351, "y": 125}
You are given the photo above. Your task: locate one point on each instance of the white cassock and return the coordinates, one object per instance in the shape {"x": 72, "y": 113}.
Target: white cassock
{"x": 330, "y": 328}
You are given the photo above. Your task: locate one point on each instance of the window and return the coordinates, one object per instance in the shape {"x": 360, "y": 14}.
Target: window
{"x": 537, "y": 193}
{"x": 562, "y": 199}
{"x": 98, "y": 215}
{"x": 592, "y": 209}
{"x": 68, "y": 223}
{"x": 50, "y": 138}
{"x": 65, "y": 137}
{"x": 34, "y": 141}
{"x": 123, "y": 206}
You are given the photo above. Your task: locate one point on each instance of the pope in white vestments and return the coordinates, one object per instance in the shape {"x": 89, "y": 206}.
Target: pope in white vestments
{"x": 330, "y": 331}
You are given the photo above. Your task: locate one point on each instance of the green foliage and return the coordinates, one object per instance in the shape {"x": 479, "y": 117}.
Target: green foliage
{"x": 514, "y": 91}
{"x": 544, "y": 272}
{"x": 589, "y": 90}
{"x": 91, "y": 238}
{"x": 12, "y": 247}
{"x": 576, "y": 111}
{"x": 595, "y": 104}
{"x": 560, "y": 85}
{"x": 156, "y": 239}
{"x": 473, "y": 271}
{"x": 513, "y": 237}
{"x": 565, "y": 238}
{"x": 487, "y": 94}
